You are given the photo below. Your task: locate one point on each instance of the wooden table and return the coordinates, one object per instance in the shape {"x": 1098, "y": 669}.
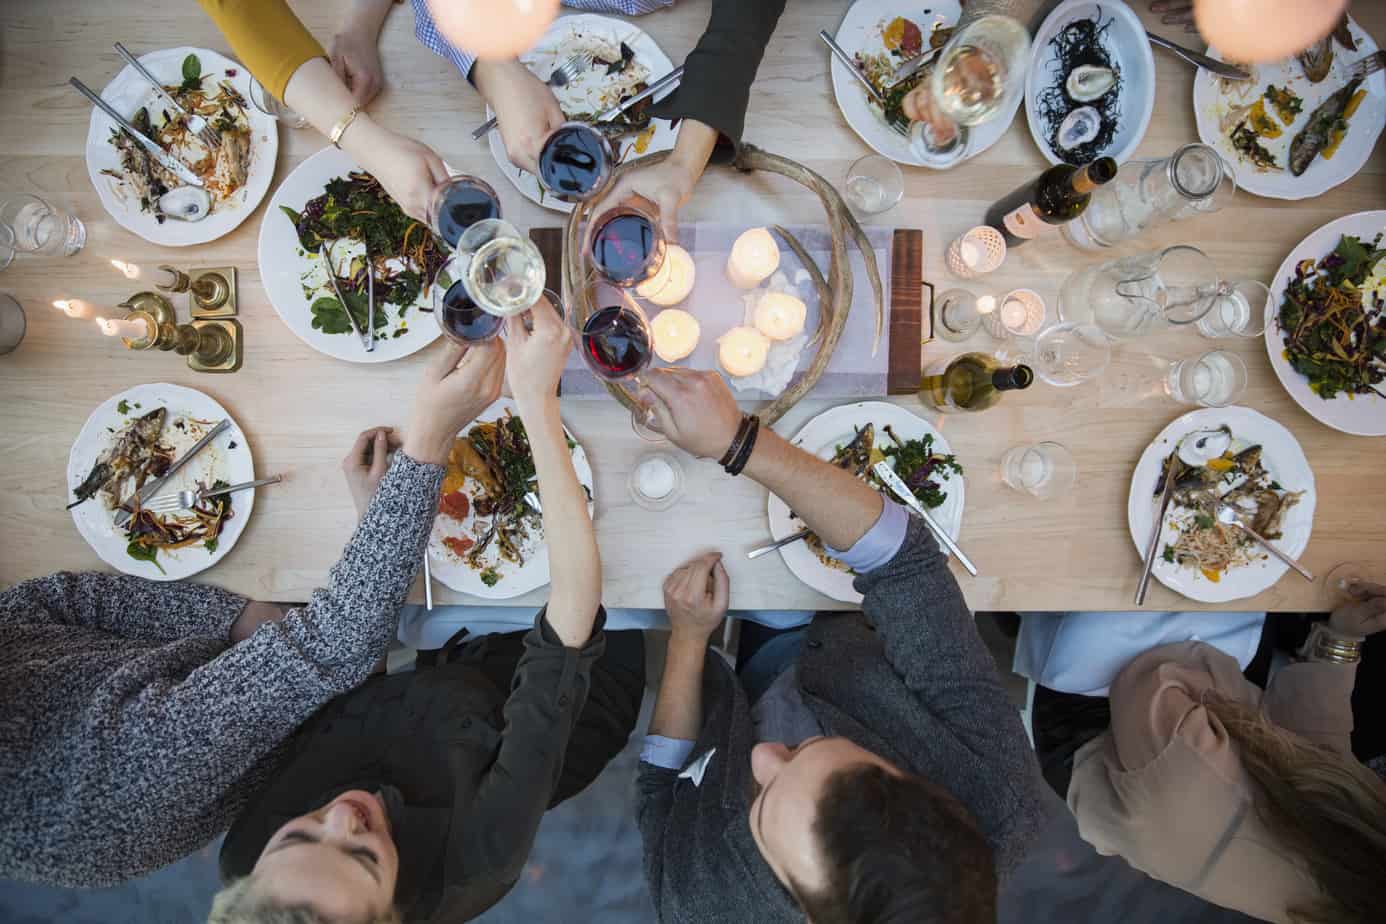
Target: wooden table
{"x": 301, "y": 410}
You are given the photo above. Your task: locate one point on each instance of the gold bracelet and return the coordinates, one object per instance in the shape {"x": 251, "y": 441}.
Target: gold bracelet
{"x": 340, "y": 128}
{"x": 1325, "y": 645}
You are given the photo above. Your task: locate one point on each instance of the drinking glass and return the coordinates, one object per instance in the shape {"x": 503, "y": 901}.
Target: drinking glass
{"x": 575, "y": 162}
{"x": 617, "y": 345}
{"x": 957, "y": 315}
{"x": 459, "y": 202}
{"x": 34, "y": 226}
{"x": 1043, "y": 470}
{"x": 458, "y": 315}
{"x": 1141, "y": 294}
{"x": 1239, "y": 310}
{"x": 264, "y": 101}
{"x": 1215, "y": 379}
{"x": 6, "y": 246}
{"x": 874, "y": 184}
{"x": 1338, "y": 582}
{"x": 1069, "y": 353}
{"x": 627, "y": 245}
{"x": 12, "y": 323}
{"x": 503, "y": 270}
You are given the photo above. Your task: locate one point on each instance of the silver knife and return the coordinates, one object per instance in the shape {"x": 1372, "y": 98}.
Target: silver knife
{"x": 897, "y": 487}
{"x": 194, "y": 122}
{"x": 326, "y": 255}
{"x": 846, "y": 59}
{"x": 165, "y": 159}
{"x": 1212, "y": 65}
{"x": 1175, "y": 464}
{"x": 914, "y": 65}
{"x": 669, "y": 79}
{"x": 145, "y": 493}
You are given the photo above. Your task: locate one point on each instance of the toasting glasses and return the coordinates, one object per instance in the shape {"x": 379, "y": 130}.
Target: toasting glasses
{"x": 617, "y": 345}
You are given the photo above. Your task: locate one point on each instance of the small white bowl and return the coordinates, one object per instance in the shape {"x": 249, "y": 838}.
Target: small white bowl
{"x": 1130, "y": 48}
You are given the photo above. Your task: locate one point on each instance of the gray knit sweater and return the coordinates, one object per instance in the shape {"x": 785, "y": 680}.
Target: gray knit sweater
{"x": 132, "y": 732}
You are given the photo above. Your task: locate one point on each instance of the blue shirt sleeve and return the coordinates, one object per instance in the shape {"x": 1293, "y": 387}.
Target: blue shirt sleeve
{"x": 666, "y": 753}
{"x": 880, "y": 543}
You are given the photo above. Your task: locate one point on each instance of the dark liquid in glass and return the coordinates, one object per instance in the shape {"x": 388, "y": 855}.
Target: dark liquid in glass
{"x": 461, "y": 317}
{"x": 616, "y": 342}
{"x": 622, "y": 247}
{"x": 573, "y": 163}
{"x": 463, "y": 207}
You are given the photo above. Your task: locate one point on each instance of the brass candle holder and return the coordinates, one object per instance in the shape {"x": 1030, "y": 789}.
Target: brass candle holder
{"x": 210, "y": 345}
{"x": 211, "y": 291}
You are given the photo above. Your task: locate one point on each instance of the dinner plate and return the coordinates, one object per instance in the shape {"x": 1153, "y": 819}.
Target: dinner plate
{"x": 515, "y": 580}
{"x": 581, "y": 94}
{"x": 821, "y": 436}
{"x": 1283, "y": 459}
{"x": 126, "y": 94}
{"x": 287, "y": 271}
{"x": 1210, "y": 104}
{"x": 1360, "y": 415}
{"x": 860, "y": 31}
{"x": 227, "y": 458}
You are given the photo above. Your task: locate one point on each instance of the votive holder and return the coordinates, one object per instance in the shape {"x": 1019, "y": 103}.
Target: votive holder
{"x": 656, "y": 481}
{"x": 980, "y": 250}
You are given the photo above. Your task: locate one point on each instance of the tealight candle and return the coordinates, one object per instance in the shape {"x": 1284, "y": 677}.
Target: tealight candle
{"x": 493, "y": 29}
{"x": 655, "y": 477}
{"x": 753, "y": 257}
{"x": 780, "y": 316}
{"x": 128, "y": 329}
{"x": 742, "y": 351}
{"x": 676, "y": 334}
{"x": 76, "y": 308}
{"x": 1022, "y": 312}
{"x": 672, "y": 282}
{"x": 970, "y": 253}
{"x": 1013, "y": 314}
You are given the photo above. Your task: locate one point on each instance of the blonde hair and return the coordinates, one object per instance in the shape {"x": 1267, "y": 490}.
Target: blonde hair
{"x": 1326, "y": 807}
{"x": 238, "y": 904}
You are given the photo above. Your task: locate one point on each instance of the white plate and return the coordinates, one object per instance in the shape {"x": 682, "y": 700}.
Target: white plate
{"x": 861, "y": 31}
{"x": 283, "y": 266}
{"x": 821, "y": 436}
{"x": 1363, "y": 128}
{"x": 1360, "y": 415}
{"x": 1125, "y": 41}
{"x": 218, "y": 460}
{"x": 548, "y": 54}
{"x": 1283, "y": 459}
{"x": 534, "y": 573}
{"x": 126, "y": 94}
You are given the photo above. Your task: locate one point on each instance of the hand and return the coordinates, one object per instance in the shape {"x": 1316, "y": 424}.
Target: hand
{"x": 1364, "y": 614}
{"x": 460, "y": 384}
{"x": 355, "y": 58}
{"x": 696, "y": 596}
{"x": 695, "y": 410}
{"x": 255, "y": 615}
{"x": 534, "y": 358}
{"x": 1176, "y": 12}
{"x": 367, "y": 463}
{"x": 407, "y": 169}
{"x": 666, "y": 185}
{"x": 526, "y": 109}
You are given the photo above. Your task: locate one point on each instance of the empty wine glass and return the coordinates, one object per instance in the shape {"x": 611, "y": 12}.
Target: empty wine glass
{"x": 627, "y": 244}
{"x": 1043, "y": 470}
{"x": 1215, "y": 379}
{"x": 265, "y": 101}
{"x": 459, "y": 202}
{"x": 874, "y": 184}
{"x": 957, "y": 315}
{"x": 1069, "y": 354}
{"x": 1239, "y": 310}
{"x": 617, "y": 345}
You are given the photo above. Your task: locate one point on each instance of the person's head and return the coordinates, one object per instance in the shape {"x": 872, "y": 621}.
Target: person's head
{"x": 855, "y": 839}
{"x": 1328, "y": 809}
{"x": 337, "y": 865}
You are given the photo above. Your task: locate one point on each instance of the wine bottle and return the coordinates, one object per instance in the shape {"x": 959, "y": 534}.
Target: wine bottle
{"x": 1057, "y": 196}
{"x": 971, "y": 382}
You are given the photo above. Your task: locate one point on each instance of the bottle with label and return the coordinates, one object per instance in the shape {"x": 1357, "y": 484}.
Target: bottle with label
{"x": 1058, "y": 195}
{"x": 971, "y": 382}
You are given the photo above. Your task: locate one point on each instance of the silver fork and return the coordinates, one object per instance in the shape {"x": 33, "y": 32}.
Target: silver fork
{"x": 1367, "y": 66}
{"x": 186, "y": 500}
{"x": 196, "y": 123}
{"x": 562, "y": 75}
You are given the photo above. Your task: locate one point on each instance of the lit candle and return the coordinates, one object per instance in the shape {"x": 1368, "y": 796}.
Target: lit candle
{"x": 674, "y": 280}
{"x": 986, "y": 304}
{"x": 676, "y": 334}
{"x": 753, "y": 257}
{"x": 75, "y": 308}
{"x": 742, "y": 351}
{"x": 780, "y": 315}
{"x": 1022, "y": 312}
{"x": 126, "y": 269}
{"x": 493, "y": 29}
{"x": 970, "y": 254}
{"x": 127, "y": 329}
{"x": 1013, "y": 314}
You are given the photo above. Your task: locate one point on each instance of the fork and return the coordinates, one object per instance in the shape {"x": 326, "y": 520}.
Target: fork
{"x": 561, "y": 77}
{"x": 898, "y": 124}
{"x": 186, "y": 500}
{"x": 1367, "y": 66}
{"x": 196, "y": 123}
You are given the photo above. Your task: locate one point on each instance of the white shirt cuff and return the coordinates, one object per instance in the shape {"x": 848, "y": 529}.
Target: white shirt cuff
{"x": 666, "y": 753}
{"x": 881, "y": 542}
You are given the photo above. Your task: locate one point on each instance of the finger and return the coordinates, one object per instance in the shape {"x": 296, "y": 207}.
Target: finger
{"x": 447, "y": 361}
{"x": 1362, "y": 590}
{"x": 392, "y": 438}
{"x": 699, "y": 571}
{"x": 721, "y": 585}
{"x": 339, "y": 67}
{"x": 515, "y": 331}
{"x": 667, "y": 384}
{"x": 669, "y": 217}
{"x": 357, "y": 455}
{"x": 380, "y": 454}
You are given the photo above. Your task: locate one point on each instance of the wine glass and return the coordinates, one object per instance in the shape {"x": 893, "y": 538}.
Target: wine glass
{"x": 459, "y": 202}
{"x": 1338, "y": 583}
{"x": 627, "y": 245}
{"x": 263, "y": 100}
{"x": 575, "y": 162}
{"x": 1069, "y": 354}
{"x": 458, "y": 315}
{"x": 617, "y": 345}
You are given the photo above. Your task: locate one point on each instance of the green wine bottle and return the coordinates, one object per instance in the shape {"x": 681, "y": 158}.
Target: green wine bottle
{"x": 1059, "y": 195}
{"x": 971, "y": 382}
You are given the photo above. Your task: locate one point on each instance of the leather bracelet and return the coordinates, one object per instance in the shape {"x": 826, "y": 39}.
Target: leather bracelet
{"x": 744, "y": 455}
{"x": 340, "y": 128}
{"x": 742, "y": 430}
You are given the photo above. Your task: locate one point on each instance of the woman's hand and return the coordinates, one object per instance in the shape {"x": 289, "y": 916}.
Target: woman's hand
{"x": 460, "y": 384}
{"x": 696, "y": 596}
{"x": 526, "y": 109}
{"x": 409, "y": 170}
{"x": 367, "y": 463}
{"x": 356, "y": 60}
{"x": 534, "y": 358}
{"x": 1364, "y": 614}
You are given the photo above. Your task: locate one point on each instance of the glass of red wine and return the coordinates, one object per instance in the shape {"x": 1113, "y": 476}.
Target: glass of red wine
{"x": 575, "y": 162}
{"x": 459, "y": 317}
{"x": 459, "y": 202}
{"x": 617, "y": 345}
{"x": 627, "y": 246}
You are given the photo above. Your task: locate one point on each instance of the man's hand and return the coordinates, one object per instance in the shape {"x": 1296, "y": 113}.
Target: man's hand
{"x": 695, "y": 410}
{"x": 696, "y": 596}
{"x": 367, "y": 463}
{"x": 534, "y": 359}
{"x": 1364, "y": 614}
{"x": 409, "y": 170}
{"x": 668, "y": 184}
{"x": 460, "y": 384}
{"x": 526, "y": 109}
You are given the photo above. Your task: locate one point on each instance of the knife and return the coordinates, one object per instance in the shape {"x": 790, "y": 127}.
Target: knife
{"x": 165, "y": 159}
{"x": 1175, "y": 465}
{"x": 1212, "y": 65}
{"x": 914, "y": 65}
{"x": 145, "y": 493}
{"x": 667, "y": 80}
{"x": 897, "y": 487}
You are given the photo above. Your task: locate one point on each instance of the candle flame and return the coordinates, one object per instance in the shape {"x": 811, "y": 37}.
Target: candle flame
{"x": 128, "y": 270}
{"x": 61, "y": 304}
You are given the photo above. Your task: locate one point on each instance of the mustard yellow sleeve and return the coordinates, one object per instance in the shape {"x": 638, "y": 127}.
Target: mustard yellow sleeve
{"x": 267, "y": 38}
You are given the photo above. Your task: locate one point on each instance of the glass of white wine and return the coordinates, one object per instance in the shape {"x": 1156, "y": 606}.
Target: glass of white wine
{"x": 503, "y": 270}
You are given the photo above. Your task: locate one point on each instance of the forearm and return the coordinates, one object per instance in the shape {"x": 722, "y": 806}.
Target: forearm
{"x": 835, "y": 504}
{"x": 693, "y": 147}
{"x": 268, "y": 39}
{"x": 367, "y": 17}
{"x": 678, "y": 709}
{"x": 126, "y": 606}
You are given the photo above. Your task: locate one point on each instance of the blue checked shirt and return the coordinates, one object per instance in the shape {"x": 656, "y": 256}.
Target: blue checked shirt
{"x": 427, "y": 31}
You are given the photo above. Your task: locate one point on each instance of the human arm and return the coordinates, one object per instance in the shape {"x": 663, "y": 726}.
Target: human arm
{"x": 355, "y": 49}
{"x": 125, "y": 606}
{"x": 669, "y": 183}
{"x": 526, "y": 109}
{"x": 696, "y": 596}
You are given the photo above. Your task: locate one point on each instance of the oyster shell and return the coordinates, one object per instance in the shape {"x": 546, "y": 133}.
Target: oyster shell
{"x": 1079, "y": 127}
{"x": 186, "y": 203}
{"x": 1088, "y": 82}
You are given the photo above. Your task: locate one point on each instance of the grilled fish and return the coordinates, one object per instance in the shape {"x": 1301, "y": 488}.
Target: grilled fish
{"x": 1318, "y": 131}
{"x": 132, "y": 446}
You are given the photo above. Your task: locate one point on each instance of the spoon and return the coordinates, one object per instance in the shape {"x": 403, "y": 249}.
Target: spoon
{"x": 1233, "y": 517}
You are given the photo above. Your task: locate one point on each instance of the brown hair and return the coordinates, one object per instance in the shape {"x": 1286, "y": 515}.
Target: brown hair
{"x": 898, "y": 849}
{"x": 238, "y": 904}
{"x": 1326, "y": 807}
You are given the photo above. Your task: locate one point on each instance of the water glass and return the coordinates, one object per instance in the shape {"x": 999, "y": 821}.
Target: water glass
{"x": 1215, "y": 379}
{"x": 874, "y": 184}
{"x": 34, "y": 226}
{"x": 12, "y": 323}
{"x": 956, "y": 315}
{"x": 1141, "y": 294}
{"x": 1239, "y": 309}
{"x": 264, "y": 101}
{"x": 1043, "y": 470}
{"x": 1069, "y": 354}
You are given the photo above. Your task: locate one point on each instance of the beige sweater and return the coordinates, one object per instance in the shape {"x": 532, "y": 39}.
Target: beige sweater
{"x": 1165, "y": 789}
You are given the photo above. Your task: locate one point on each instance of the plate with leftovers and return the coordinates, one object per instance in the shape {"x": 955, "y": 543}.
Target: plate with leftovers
{"x": 487, "y": 540}
{"x": 625, "y": 61}
{"x": 329, "y": 200}
{"x": 236, "y": 174}
{"x": 1326, "y": 328}
{"x": 1239, "y": 457}
{"x": 856, "y": 437}
{"x": 131, "y": 439}
{"x": 1298, "y": 127}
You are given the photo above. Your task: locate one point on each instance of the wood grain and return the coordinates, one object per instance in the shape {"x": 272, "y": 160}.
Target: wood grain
{"x": 906, "y": 311}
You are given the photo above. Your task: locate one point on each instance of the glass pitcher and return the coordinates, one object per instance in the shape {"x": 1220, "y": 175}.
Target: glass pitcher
{"x": 1141, "y": 294}
{"x": 1194, "y": 180}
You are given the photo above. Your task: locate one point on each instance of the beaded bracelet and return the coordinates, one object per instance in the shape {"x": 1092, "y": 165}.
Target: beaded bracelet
{"x": 744, "y": 455}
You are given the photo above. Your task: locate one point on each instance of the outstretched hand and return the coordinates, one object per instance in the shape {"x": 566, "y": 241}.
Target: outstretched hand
{"x": 526, "y": 109}
{"x": 534, "y": 357}
{"x": 457, "y": 386}
{"x": 1365, "y": 612}
{"x": 695, "y": 410}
